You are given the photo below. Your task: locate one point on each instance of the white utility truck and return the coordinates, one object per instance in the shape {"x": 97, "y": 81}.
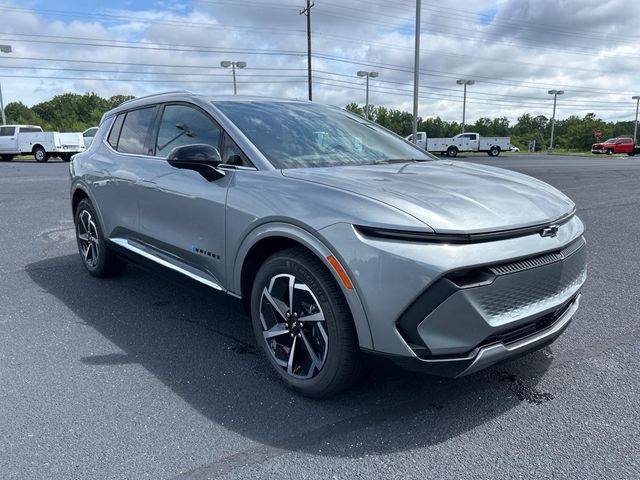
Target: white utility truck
{"x": 30, "y": 139}
{"x": 464, "y": 142}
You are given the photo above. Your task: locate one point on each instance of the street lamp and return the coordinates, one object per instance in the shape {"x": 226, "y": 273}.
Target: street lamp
{"x": 555, "y": 94}
{"x": 233, "y": 65}
{"x": 464, "y": 101}
{"x": 368, "y": 75}
{"x": 635, "y": 125}
{"x": 3, "y": 49}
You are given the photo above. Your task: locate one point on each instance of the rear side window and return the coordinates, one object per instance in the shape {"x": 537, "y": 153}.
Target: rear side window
{"x": 114, "y": 135}
{"x": 7, "y": 131}
{"x": 90, "y": 133}
{"x": 135, "y": 129}
{"x": 184, "y": 125}
{"x": 30, "y": 130}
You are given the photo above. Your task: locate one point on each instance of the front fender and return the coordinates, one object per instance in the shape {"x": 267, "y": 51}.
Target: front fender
{"x": 310, "y": 241}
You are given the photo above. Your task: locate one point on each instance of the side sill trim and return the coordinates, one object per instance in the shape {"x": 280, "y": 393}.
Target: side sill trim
{"x": 124, "y": 243}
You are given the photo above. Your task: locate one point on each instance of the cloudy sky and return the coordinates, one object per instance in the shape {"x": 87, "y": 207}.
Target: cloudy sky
{"x": 515, "y": 50}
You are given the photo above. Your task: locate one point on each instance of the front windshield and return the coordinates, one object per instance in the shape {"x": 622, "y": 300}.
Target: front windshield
{"x": 611, "y": 140}
{"x": 296, "y": 135}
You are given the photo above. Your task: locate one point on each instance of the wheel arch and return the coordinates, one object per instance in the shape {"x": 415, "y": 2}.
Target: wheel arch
{"x": 37, "y": 145}
{"x": 268, "y": 239}
{"x": 76, "y": 197}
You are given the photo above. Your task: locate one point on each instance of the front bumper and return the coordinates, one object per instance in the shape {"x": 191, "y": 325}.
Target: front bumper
{"x": 487, "y": 355}
{"x": 430, "y": 305}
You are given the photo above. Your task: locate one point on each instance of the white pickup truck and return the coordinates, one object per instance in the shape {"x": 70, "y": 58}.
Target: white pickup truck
{"x": 30, "y": 139}
{"x": 464, "y": 142}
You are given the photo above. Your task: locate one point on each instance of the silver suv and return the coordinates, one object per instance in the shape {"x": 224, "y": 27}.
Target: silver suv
{"x": 338, "y": 236}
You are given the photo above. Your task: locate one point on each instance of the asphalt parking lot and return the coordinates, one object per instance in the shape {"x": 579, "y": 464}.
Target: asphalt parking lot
{"x": 140, "y": 377}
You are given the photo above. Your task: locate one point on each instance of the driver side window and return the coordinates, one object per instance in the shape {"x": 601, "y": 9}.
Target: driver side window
{"x": 184, "y": 125}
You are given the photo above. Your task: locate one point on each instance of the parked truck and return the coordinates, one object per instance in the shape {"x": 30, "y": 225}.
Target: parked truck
{"x": 616, "y": 146}
{"x": 464, "y": 142}
{"x": 31, "y": 139}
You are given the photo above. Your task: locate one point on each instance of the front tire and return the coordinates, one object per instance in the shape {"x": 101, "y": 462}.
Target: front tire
{"x": 6, "y": 158}
{"x": 97, "y": 257}
{"x": 40, "y": 154}
{"x": 303, "y": 324}
{"x": 609, "y": 151}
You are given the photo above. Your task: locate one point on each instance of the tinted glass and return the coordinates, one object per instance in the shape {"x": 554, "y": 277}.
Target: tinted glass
{"x": 135, "y": 129}
{"x": 7, "y": 131}
{"x": 232, "y": 155}
{"x": 30, "y": 130}
{"x": 115, "y": 131}
{"x": 90, "y": 133}
{"x": 184, "y": 125}
{"x": 295, "y": 134}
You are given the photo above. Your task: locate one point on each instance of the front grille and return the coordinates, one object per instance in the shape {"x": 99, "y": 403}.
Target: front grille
{"x": 539, "y": 261}
{"x": 514, "y": 296}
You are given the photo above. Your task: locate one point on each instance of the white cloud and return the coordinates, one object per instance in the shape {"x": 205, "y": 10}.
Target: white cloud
{"x": 515, "y": 50}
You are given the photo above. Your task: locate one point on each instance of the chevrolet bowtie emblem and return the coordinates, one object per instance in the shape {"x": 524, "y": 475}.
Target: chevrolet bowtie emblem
{"x": 550, "y": 231}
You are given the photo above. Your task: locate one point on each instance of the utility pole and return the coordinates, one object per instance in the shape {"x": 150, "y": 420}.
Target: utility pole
{"x": 635, "y": 125}
{"x": 416, "y": 75}
{"x": 555, "y": 94}
{"x": 4, "y": 49}
{"x": 307, "y": 12}
{"x": 464, "y": 100}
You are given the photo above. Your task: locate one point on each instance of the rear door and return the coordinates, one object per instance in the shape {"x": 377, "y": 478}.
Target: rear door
{"x": 625, "y": 145}
{"x": 474, "y": 141}
{"x": 8, "y": 140}
{"x": 181, "y": 213}
{"x": 118, "y": 167}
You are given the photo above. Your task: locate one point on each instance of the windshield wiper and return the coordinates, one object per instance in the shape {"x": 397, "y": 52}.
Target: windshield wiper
{"x": 400, "y": 160}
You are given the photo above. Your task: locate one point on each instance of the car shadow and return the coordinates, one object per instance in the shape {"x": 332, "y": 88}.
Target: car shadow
{"x": 199, "y": 343}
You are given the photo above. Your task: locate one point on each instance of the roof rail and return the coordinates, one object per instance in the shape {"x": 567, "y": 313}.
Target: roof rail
{"x": 156, "y": 95}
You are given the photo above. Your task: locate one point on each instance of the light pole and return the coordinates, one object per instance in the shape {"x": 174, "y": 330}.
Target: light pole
{"x": 3, "y": 49}
{"x": 368, "y": 75}
{"x": 464, "y": 101}
{"x": 555, "y": 94}
{"x": 416, "y": 75}
{"x": 233, "y": 65}
{"x": 635, "y": 125}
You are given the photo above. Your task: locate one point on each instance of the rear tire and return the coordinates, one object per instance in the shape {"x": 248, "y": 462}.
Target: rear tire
{"x": 452, "y": 152}
{"x": 97, "y": 257}
{"x": 494, "y": 151}
{"x": 40, "y": 155}
{"x": 65, "y": 157}
{"x": 317, "y": 357}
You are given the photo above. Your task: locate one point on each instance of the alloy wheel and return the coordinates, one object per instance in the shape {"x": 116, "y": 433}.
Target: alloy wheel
{"x": 88, "y": 238}
{"x": 294, "y": 326}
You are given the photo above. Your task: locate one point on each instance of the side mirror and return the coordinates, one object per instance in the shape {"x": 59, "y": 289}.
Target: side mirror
{"x": 201, "y": 158}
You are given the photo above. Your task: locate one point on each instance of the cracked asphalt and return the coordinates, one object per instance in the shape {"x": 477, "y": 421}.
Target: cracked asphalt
{"x": 155, "y": 377}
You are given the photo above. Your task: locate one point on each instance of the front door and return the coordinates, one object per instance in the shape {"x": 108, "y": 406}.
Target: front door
{"x": 181, "y": 213}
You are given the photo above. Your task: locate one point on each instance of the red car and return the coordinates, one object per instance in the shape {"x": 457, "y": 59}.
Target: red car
{"x": 615, "y": 145}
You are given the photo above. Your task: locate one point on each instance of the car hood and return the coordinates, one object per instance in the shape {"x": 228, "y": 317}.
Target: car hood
{"x": 449, "y": 197}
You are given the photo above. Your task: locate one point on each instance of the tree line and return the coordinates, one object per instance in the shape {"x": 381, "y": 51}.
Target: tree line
{"x": 74, "y": 112}
{"x": 68, "y": 112}
{"x": 571, "y": 133}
